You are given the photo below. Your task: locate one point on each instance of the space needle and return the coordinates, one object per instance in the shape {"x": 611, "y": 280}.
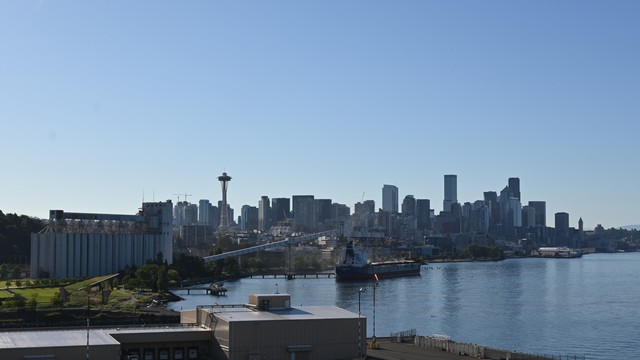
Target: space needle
{"x": 224, "y": 213}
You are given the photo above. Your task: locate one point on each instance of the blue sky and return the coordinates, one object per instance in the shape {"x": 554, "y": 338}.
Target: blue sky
{"x": 102, "y": 101}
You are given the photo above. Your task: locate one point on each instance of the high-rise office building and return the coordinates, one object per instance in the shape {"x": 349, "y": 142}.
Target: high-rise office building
{"x": 514, "y": 187}
{"x": 264, "y": 214}
{"x": 423, "y": 214}
{"x": 185, "y": 213}
{"x": 528, "y": 216}
{"x": 281, "y": 209}
{"x": 340, "y": 212}
{"x": 390, "y": 198}
{"x": 541, "y": 213}
{"x": 249, "y": 218}
{"x": 491, "y": 199}
{"x": 562, "y": 228}
{"x": 321, "y": 212}
{"x": 303, "y": 211}
{"x": 365, "y": 207}
{"x": 409, "y": 206}
{"x": 450, "y": 192}
{"x": 208, "y": 214}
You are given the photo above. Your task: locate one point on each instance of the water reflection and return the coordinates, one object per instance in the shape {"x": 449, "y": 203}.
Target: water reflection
{"x": 538, "y": 305}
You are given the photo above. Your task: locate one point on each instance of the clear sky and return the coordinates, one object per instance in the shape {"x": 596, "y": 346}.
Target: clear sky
{"x": 102, "y": 101}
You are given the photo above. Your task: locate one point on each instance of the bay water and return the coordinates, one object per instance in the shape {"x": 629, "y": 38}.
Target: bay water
{"x": 588, "y": 306}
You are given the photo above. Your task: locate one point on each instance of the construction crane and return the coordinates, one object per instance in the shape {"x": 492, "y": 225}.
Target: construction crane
{"x": 185, "y": 196}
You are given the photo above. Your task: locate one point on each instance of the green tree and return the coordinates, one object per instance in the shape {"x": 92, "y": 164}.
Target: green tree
{"x": 15, "y": 235}
{"x": 174, "y": 276}
{"x": 18, "y": 283}
{"x": 20, "y": 303}
{"x": 163, "y": 279}
{"x": 57, "y": 300}
{"x": 147, "y": 275}
{"x": 15, "y": 272}
{"x": 4, "y": 271}
{"x": 32, "y": 304}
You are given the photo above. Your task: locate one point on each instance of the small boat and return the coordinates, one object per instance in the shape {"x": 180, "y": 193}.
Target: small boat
{"x": 354, "y": 265}
{"x": 217, "y": 289}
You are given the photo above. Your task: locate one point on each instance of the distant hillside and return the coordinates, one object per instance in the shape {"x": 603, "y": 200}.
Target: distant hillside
{"x": 15, "y": 237}
{"x": 630, "y": 227}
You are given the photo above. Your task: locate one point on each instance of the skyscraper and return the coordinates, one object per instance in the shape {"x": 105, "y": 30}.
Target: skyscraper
{"x": 264, "y": 214}
{"x": 409, "y": 206}
{"x": 303, "y": 211}
{"x": 541, "y": 213}
{"x": 281, "y": 209}
{"x": 423, "y": 214}
{"x": 450, "y": 192}
{"x": 562, "y": 228}
{"x": 249, "y": 218}
{"x": 390, "y": 198}
{"x": 514, "y": 187}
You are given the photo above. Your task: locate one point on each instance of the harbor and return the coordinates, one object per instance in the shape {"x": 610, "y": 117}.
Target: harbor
{"x": 529, "y": 305}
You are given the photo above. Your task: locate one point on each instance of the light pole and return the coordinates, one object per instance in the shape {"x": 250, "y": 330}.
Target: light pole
{"x": 360, "y": 291}
{"x": 374, "y": 310}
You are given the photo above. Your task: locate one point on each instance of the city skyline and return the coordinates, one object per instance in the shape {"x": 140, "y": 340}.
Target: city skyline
{"x": 102, "y": 102}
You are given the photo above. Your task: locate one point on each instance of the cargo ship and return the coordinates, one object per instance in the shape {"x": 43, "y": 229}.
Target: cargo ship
{"x": 354, "y": 265}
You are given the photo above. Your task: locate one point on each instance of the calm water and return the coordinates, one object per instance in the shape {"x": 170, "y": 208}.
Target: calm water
{"x": 588, "y": 306}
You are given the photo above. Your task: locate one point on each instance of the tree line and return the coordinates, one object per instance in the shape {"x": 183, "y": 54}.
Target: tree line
{"x": 15, "y": 237}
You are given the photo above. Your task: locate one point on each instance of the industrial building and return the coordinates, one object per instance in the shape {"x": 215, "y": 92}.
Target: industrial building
{"x": 268, "y": 327}
{"x": 85, "y": 244}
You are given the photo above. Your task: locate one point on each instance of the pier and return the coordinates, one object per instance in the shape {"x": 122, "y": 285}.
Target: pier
{"x": 293, "y": 276}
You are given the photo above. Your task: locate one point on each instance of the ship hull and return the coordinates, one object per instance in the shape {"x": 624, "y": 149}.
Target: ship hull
{"x": 382, "y": 270}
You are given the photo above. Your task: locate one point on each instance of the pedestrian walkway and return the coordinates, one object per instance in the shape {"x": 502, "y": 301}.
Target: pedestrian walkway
{"x": 408, "y": 351}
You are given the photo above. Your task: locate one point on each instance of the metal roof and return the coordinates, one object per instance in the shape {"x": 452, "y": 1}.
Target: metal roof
{"x": 77, "y": 337}
{"x": 294, "y": 313}
{"x": 55, "y": 338}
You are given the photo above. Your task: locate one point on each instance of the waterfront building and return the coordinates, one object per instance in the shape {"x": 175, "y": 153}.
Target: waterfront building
{"x": 450, "y": 192}
{"x": 267, "y": 327}
{"x": 88, "y": 244}
{"x": 390, "y": 198}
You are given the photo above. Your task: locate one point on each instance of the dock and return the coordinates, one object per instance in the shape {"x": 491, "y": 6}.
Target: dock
{"x": 290, "y": 276}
